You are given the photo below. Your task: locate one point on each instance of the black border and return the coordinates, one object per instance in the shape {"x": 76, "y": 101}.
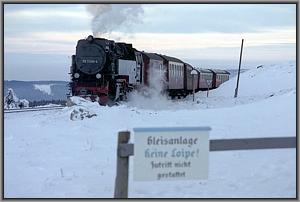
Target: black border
{"x": 148, "y": 2}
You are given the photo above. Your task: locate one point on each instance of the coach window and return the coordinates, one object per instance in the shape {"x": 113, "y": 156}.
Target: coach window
{"x": 173, "y": 68}
{"x": 174, "y": 71}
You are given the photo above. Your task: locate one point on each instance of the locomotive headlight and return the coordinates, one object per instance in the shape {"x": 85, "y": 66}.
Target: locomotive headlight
{"x": 76, "y": 75}
{"x": 98, "y": 76}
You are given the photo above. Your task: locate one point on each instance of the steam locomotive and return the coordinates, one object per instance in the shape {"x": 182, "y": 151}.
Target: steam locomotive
{"x": 106, "y": 71}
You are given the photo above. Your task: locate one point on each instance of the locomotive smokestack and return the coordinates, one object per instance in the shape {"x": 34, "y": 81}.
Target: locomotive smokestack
{"x": 108, "y": 17}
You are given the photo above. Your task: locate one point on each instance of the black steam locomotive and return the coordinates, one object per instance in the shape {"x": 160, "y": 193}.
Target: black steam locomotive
{"x": 105, "y": 71}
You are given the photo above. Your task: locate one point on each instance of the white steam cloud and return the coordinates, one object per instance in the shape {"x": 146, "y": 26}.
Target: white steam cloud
{"x": 109, "y": 17}
{"x": 154, "y": 96}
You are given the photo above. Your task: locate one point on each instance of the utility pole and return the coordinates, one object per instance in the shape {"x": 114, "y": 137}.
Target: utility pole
{"x": 238, "y": 78}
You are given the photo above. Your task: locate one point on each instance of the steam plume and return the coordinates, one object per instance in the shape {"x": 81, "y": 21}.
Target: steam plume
{"x": 152, "y": 97}
{"x": 109, "y": 17}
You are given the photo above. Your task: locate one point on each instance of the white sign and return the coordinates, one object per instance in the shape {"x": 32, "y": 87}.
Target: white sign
{"x": 177, "y": 153}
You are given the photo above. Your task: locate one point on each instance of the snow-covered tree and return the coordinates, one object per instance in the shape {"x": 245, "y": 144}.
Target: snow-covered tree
{"x": 11, "y": 101}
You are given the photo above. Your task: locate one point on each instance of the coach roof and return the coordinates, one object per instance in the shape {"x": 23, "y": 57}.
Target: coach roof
{"x": 152, "y": 56}
{"x": 168, "y": 58}
{"x": 220, "y": 71}
{"x": 205, "y": 71}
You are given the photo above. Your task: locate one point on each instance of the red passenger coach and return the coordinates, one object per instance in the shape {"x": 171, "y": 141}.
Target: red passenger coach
{"x": 219, "y": 77}
{"x": 153, "y": 65}
{"x": 188, "y": 78}
{"x": 175, "y": 72}
{"x": 205, "y": 79}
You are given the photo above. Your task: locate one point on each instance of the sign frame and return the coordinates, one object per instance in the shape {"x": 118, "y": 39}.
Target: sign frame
{"x": 171, "y": 153}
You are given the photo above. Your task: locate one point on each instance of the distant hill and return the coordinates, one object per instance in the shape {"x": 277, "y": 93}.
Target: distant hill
{"x": 38, "y": 90}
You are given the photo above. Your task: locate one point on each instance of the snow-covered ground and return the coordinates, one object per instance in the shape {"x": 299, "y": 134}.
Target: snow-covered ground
{"x": 48, "y": 155}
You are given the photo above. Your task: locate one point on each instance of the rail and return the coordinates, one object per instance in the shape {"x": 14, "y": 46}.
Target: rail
{"x": 31, "y": 109}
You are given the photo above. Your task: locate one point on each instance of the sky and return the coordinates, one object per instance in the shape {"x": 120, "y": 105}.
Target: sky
{"x": 39, "y": 39}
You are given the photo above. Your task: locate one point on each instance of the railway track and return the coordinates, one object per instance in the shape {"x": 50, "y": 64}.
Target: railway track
{"x": 31, "y": 109}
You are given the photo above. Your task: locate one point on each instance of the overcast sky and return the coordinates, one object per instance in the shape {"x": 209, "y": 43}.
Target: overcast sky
{"x": 40, "y": 38}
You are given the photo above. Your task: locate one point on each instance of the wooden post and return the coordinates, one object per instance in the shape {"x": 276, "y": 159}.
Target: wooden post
{"x": 207, "y": 92}
{"x": 121, "y": 183}
{"x": 238, "y": 77}
{"x": 193, "y": 73}
{"x": 193, "y": 87}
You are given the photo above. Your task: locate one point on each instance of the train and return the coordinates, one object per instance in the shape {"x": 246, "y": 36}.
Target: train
{"x": 105, "y": 71}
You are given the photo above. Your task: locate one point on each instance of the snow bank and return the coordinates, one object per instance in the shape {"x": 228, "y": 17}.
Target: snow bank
{"x": 48, "y": 155}
{"x": 265, "y": 80}
{"x": 255, "y": 85}
{"x": 81, "y": 108}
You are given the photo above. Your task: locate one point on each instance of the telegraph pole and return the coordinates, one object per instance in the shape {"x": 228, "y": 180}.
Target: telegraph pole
{"x": 238, "y": 78}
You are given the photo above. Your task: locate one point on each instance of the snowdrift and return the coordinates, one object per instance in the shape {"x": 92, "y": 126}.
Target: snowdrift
{"x": 48, "y": 155}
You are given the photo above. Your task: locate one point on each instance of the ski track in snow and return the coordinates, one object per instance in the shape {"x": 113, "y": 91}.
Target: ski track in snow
{"x": 48, "y": 155}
